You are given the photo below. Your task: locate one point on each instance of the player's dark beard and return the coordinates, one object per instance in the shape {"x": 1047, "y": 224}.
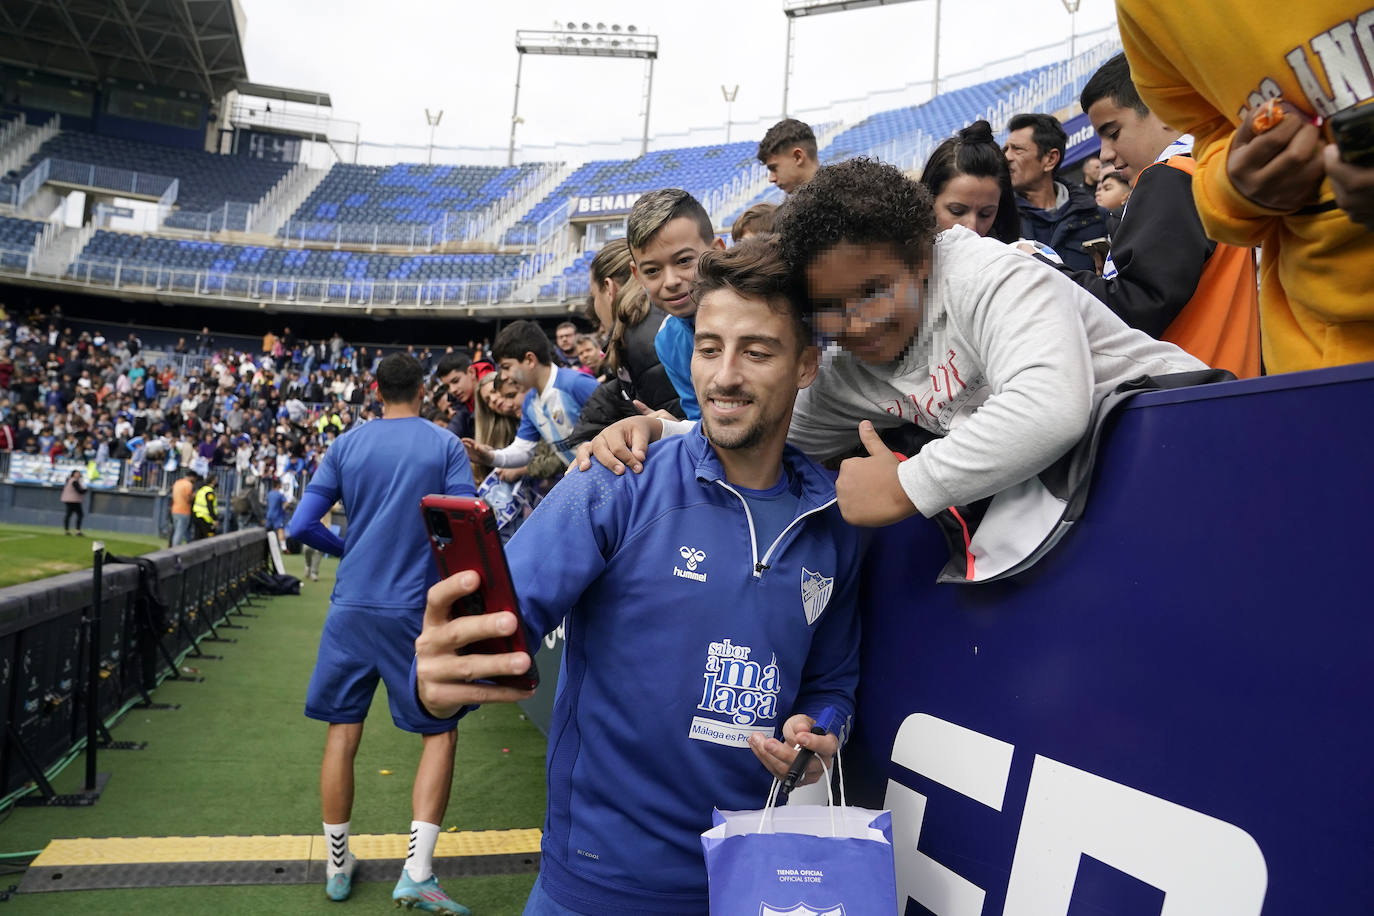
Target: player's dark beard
{"x": 734, "y": 437}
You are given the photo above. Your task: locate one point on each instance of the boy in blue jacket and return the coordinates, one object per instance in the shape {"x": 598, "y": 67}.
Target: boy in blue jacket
{"x": 668, "y": 230}
{"x": 712, "y": 606}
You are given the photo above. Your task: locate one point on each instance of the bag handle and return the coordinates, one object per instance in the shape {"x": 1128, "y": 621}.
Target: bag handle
{"x": 774, "y": 790}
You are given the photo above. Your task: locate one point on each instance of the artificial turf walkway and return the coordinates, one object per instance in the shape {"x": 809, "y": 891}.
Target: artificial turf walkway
{"x": 239, "y": 758}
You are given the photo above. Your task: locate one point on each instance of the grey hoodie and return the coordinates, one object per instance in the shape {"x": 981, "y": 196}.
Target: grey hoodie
{"x": 1008, "y": 362}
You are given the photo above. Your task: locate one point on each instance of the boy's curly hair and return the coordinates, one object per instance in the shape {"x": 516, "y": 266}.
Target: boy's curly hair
{"x": 860, "y": 201}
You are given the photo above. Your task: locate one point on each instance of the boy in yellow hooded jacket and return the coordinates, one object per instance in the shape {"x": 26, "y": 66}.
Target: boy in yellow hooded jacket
{"x": 1206, "y": 69}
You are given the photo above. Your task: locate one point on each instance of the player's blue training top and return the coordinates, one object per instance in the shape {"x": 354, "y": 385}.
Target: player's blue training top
{"x": 381, "y": 470}
{"x": 276, "y": 509}
{"x": 549, "y": 414}
{"x": 686, "y": 634}
{"x": 674, "y": 343}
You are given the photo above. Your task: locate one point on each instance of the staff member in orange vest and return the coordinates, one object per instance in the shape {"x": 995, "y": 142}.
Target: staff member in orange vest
{"x": 1164, "y": 275}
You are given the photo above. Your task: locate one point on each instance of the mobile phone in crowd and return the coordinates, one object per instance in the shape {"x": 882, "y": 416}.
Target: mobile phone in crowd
{"x": 1098, "y": 246}
{"x": 462, "y": 535}
{"x": 1353, "y": 131}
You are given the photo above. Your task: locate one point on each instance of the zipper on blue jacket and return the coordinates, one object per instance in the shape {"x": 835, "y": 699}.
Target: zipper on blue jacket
{"x": 761, "y": 565}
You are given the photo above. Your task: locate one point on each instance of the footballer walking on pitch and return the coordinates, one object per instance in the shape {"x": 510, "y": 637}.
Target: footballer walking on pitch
{"x": 381, "y": 470}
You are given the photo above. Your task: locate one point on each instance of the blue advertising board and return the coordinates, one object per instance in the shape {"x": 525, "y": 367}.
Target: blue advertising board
{"x": 41, "y": 469}
{"x": 1174, "y": 705}
{"x": 1083, "y": 140}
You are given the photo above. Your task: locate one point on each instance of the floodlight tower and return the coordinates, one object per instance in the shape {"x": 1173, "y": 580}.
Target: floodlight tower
{"x": 729, "y": 95}
{"x": 586, "y": 40}
{"x": 795, "y": 9}
{"x": 433, "y": 121}
{"x": 1072, "y": 7}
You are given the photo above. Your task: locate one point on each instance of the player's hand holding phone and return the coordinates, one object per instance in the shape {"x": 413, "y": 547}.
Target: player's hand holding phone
{"x": 446, "y": 681}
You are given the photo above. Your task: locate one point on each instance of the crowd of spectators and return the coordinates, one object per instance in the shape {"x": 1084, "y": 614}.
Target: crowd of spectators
{"x": 254, "y": 418}
{"x": 250, "y": 415}
{"x": 78, "y": 395}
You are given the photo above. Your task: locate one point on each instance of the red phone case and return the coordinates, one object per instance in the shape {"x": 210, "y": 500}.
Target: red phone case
{"x": 471, "y": 542}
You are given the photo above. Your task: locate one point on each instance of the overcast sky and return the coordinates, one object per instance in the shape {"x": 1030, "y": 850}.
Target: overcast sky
{"x": 383, "y": 64}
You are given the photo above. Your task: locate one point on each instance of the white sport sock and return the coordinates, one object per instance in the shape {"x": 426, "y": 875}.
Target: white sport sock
{"x": 336, "y": 839}
{"x": 420, "y": 854}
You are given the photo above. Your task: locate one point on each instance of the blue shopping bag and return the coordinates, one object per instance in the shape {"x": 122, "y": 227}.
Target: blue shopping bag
{"x": 801, "y": 860}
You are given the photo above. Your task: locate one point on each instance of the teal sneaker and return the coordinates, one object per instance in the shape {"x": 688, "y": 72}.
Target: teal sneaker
{"x": 340, "y": 884}
{"x": 426, "y": 896}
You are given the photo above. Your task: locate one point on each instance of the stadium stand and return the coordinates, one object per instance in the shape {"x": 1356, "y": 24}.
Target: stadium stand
{"x": 696, "y": 168}
{"x": 234, "y": 268}
{"x": 574, "y": 280}
{"x": 207, "y": 181}
{"x": 406, "y": 193}
{"x": 16, "y": 239}
{"x": 374, "y": 217}
{"x": 940, "y": 117}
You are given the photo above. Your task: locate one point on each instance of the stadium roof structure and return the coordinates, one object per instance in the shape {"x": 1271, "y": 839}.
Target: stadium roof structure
{"x": 301, "y": 96}
{"x": 191, "y": 45}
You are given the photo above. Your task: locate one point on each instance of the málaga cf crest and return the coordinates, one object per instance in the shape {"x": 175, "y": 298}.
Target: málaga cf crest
{"x": 815, "y": 590}
{"x": 800, "y": 909}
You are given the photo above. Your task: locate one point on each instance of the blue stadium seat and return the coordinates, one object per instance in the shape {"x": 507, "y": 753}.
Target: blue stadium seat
{"x": 18, "y": 234}
{"x": 208, "y": 181}
{"x": 187, "y": 257}
{"x": 403, "y": 194}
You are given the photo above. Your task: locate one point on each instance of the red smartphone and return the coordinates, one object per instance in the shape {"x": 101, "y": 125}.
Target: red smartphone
{"x": 462, "y": 535}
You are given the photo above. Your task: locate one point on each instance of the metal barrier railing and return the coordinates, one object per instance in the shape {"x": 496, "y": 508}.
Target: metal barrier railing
{"x": 325, "y": 291}
{"x": 132, "y": 625}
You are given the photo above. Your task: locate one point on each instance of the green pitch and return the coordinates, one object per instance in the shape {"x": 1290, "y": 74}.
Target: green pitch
{"x": 240, "y": 758}
{"x": 30, "y": 552}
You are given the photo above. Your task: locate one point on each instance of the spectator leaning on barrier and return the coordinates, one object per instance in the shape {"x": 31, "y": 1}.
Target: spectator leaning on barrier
{"x": 1209, "y": 69}
{"x": 1053, "y": 213}
{"x": 632, "y": 364}
{"x": 458, "y": 375}
{"x": 726, "y": 562}
{"x": 495, "y": 421}
{"x": 968, "y": 178}
{"x": 1164, "y": 275}
{"x": 381, "y": 471}
{"x": 552, "y": 403}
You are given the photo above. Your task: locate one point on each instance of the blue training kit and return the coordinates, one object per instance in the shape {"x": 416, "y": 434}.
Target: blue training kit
{"x": 686, "y": 634}
{"x": 380, "y": 470}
